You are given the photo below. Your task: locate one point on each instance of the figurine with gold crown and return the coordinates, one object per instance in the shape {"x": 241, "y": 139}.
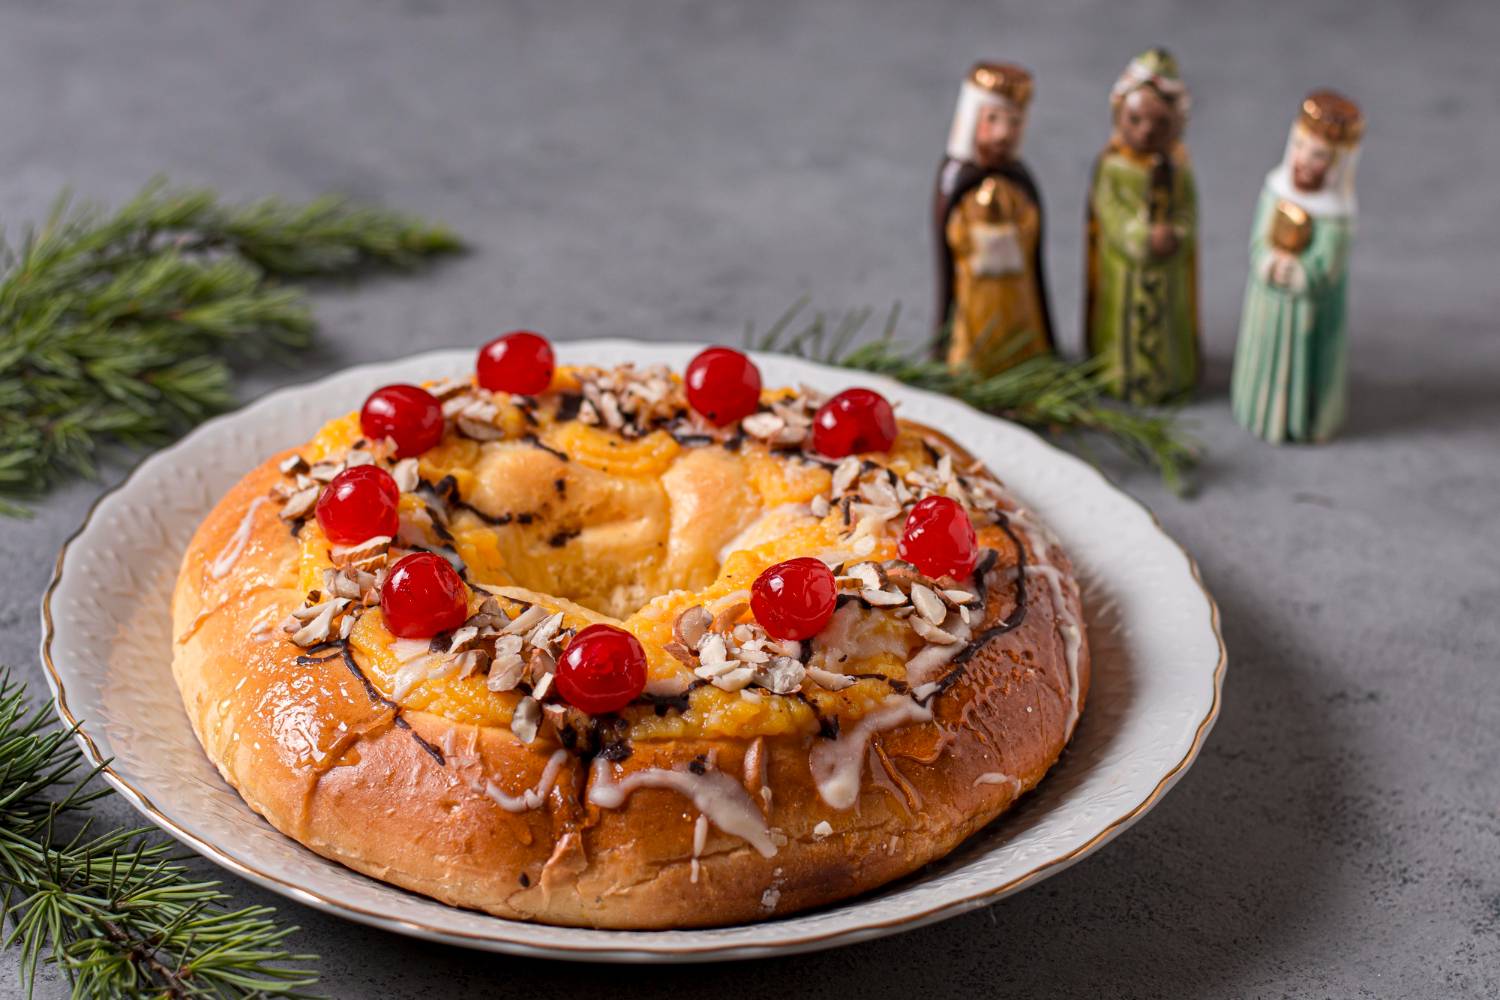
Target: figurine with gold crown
{"x": 1141, "y": 310}
{"x": 1290, "y": 363}
{"x": 991, "y": 310}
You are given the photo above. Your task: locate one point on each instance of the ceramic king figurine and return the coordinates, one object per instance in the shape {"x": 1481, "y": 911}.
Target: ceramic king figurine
{"x": 1141, "y": 311}
{"x": 1289, "y": 366}
{"x": 987, "y": 215}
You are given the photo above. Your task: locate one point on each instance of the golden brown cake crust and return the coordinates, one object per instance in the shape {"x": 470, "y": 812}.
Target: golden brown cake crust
{"x": 420, "y": 801}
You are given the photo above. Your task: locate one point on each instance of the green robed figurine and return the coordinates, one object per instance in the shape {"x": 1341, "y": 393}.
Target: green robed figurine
{"x": 1289, "y": 365}
{"x": 1141, "y": 313}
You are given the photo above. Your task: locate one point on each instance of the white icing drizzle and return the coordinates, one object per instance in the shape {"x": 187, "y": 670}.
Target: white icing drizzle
{"x": 718, "y": 796}
{"x": 1072, "y": 635}
{"x": 838, "y": 764}
{"x": 700, "y": 838}
{"x": 530, "y": 798}
{"x": 1040, "y": 541}
{"x": 921, "y": 667}
{"x": 996, "y": 778}
{"x": 230, "y": 554}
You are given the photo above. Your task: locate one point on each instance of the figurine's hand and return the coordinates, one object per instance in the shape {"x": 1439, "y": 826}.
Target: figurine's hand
{"x": 1163, "y": 240}
{"x": 1286, "y": 271}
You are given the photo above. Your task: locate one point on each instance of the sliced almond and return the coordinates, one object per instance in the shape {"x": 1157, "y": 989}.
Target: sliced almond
{"x": 526, "y": 718}
{"x": 712, "y": 650}
{"x": 928, "y": 604}
{"x": 845, "y": 474}
{"x": 540, "y": 688}
{"x": 543, "y": 633}
{"x": 540, "y": 664}
{"x": 883, "y": 598}
{"x": 526, "y": 620}
{"x": 692, "y": 625}
{"x": 300, "y": 503}
{"x": 783, "y": 675}
{"x": 324, "y": 472}
{"x": 466, "y": 638}
{"x": 726, "y": 618}
{"x": 478, "y": 430}
{"x": 406, "y": 474}
{"x": 505, "y": 672}
{"x": 734, "y": 680}
{"x": 868, "y": 574}
{"x": 931, "y": 632}
{"x": 830, "y": 680}
{"x": 681, "y": 653}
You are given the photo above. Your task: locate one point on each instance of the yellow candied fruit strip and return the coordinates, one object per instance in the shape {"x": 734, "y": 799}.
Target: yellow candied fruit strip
{"x": 610, "y": 453}
{"x": 314, "y": 559}
{"x": 336, "y": 437}
{"x": 780, "y": 482}
{"x": 479, "y": 548}
{"x": 454, "y": 456}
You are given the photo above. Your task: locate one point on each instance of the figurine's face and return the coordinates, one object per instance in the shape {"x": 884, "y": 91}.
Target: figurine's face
{"x": 1311, "y": 160}
{"x": 997, "y": 134}
{"x": 1146, "y": 122}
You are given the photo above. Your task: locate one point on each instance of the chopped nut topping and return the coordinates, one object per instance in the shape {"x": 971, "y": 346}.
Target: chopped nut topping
{"x": 727, "y": 617}
{"x": 365, "y": 555}
{"x": 845, "y": 474}
{"x": 406, "y": 475}
{"x": 526, "y": 718}
{"x": 300, "y": 503}
{"x": 829, "y": 679}
{"x": 928, "y": 604}
{"x": 931, "y": 633}
{"x": 691, "y": 626}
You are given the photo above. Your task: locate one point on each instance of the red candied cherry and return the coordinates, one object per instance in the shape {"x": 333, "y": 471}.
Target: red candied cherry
{"x": 794, "y": 599}
{"x": 519, "y": 362}
{"x": 360, "y": 503}
{"x": 423, "y": 596}
{"x": 723, "y": 385}
{"x": 855, "y": 420}
{"x": 409, "y": 415}
{"x": 602, "y": 670}
{"x": 939, "y": 538}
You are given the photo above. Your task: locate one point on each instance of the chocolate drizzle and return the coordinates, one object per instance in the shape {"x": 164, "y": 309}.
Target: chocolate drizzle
{"x": 1012, "y": 621}
{"x": 536, "y": 442}
{"x": 380, "y": 699}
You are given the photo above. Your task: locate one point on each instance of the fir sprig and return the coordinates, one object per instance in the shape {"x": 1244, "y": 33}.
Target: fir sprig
{"x": 116, "y": 328}
{"x": 1046, "y": 393}
{"x": 117, "y": 912}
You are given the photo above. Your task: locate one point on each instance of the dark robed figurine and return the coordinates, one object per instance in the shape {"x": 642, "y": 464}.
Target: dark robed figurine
{"x": 1141, "y": 314}
{"x": 991, "y": 309}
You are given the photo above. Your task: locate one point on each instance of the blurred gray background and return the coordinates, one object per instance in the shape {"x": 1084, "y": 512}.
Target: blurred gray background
{"x": 676, "y": 170}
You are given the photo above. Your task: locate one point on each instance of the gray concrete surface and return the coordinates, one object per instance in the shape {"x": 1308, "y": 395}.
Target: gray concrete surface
{"x": 672, "y": 171}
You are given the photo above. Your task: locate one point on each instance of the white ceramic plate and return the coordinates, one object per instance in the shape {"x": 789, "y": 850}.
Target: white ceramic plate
{"x": 1157, "y": 654}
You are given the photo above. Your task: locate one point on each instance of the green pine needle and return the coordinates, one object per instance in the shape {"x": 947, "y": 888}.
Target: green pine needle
{"x": 118, "y": 328}
{"x": 117, "y": 911}
{"x": 1045, "y": 393}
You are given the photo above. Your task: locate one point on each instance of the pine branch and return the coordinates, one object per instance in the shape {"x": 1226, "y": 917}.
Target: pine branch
{"x": 119, "y": 329}
{"x": 117, "y": 912}
{"x": 1046, "y": 393}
